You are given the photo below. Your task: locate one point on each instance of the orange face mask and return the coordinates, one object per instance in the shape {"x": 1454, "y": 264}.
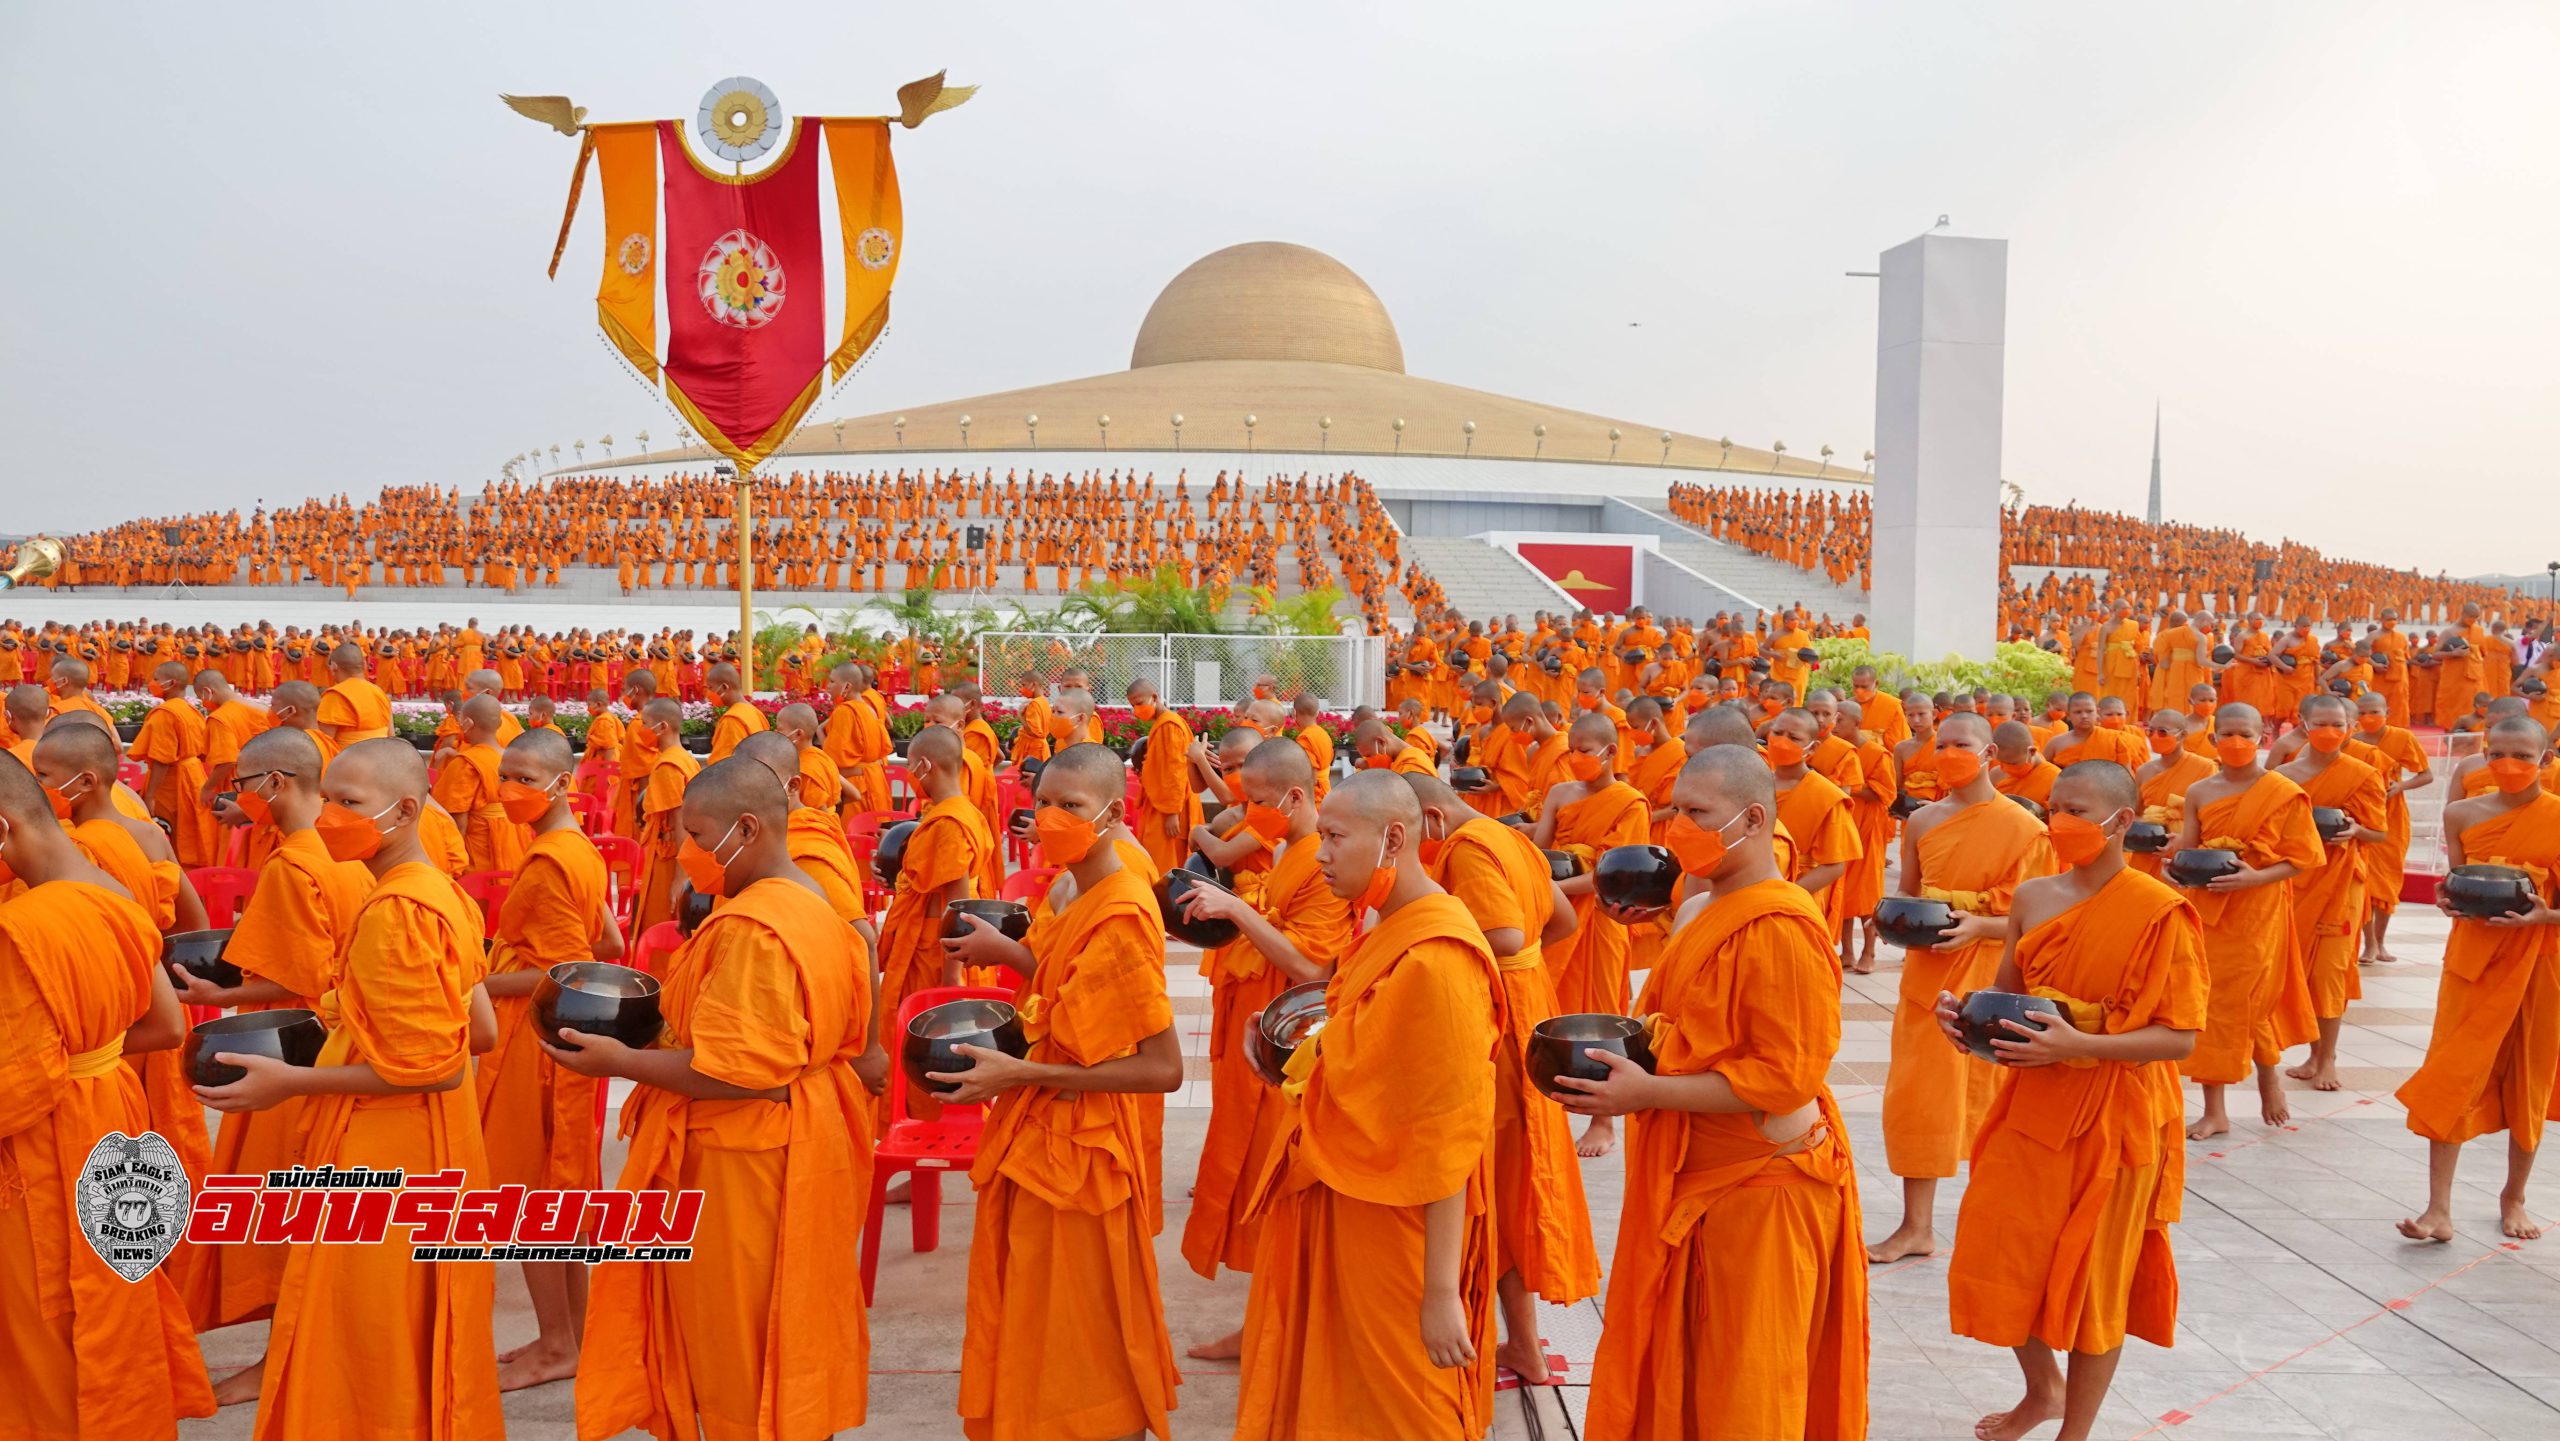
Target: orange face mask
{"x": 1587, "y": 701}
{"x": 2112, "y": 722}
{"x": 2019, "y": 770}
{"x": 1771, "y": 704}
{"x": 2514, "y": 776}
{"x": 348, "y": 836}
{"x": 1586, "y": 768}
{"x": 2237, "y": 751}
{"x": 1378, "y": 763}
{"x": 1065, "y": 838}
{"x": 2163, "y": 743}
{"x": 2372, "y": 724}
{"x": 1698, "y": 849}
{"x": 1269, "y": 822}
{"x": 1958, "y": 768}
{"x": 1145, "y": 712}
{"x": 523, "y": 804}
{"x": 1483, "y": 714}
{"x": 2076, "y": 841}
{"x": 2326, "y": 739}
{"x": 1785, "y": 751}
{"x": 1382, "y": 879}
{"x": 1696, "y": 700}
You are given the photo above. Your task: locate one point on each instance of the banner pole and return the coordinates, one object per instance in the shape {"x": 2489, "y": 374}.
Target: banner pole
{"x": 744, "y": 524}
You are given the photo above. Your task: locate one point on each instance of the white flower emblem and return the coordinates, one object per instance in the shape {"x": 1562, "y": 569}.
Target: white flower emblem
{"x": 740, "y": 281}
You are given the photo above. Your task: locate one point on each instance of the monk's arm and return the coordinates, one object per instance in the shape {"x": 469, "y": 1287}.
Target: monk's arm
{"x": 1226, "y": 851}
{"x": 192, "y": 915}
{"x": 163, "y": 1024}
{"x": 668, "y": 1070}
{"x": 515, "y": 983}
{"x": 1444, "y": 1319}
{"x": 609, "y": 944}
{"x": 1154, "y": 1068}
{"x": 251, "y": 990}
{"x": 1817, "y": 877}
{"x": 1272, "y": 941}
{"x": 484, "y": 1021}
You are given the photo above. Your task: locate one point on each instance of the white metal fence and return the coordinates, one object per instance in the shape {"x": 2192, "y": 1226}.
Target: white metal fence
{"x": 1342, "y": 671}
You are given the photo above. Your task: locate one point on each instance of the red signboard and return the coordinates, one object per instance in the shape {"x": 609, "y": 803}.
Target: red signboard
{"x": 1600, "y": 578}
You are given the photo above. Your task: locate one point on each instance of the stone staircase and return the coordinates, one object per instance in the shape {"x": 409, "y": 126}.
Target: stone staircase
{"x": 1480, "y": 581}
{"x": 1774, "y": 585}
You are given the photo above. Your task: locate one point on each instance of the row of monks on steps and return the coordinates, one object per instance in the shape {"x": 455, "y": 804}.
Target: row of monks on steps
{"x": 1404, "y": 1189}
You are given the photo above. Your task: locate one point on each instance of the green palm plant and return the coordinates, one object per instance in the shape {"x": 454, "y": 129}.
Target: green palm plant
{"x": 1153, "y": 604}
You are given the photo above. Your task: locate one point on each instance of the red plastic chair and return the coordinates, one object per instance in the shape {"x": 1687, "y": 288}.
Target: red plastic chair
{"x": 656, "y": 943}
{"x": 590, "y": 811}
{"x": 1027, "y": 886}
{"x": 622, "y": 862}
{"x": 919, "y": 1150}
{"x": 223, "y": 889}
{"x": 133, "y": 774}
{"x": 489, "y": 888}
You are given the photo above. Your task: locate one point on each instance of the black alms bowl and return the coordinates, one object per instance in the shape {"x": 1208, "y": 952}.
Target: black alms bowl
{"x": 693, "y": 908}
{"x": 1905, "y": 806}
{"x": 2198, "y": 868}
{"x": 199, "y": 954}
{"x": 1639, "y": 877}
{"x": 2483, "y": 891}
{"x": 934, "y": 1037}
{"x": 1980, "y": 1017}
{"x": 2146, "y": 838}
{"x": 291, "y": 1036}
{"x": 2030, "y": 806}
{"x": 2223, "y": 655}
{"x": 1562, "y": 865}
{"x": 892, "y": 851}
{"x": 2333, "y": 823}
{"x": 1913, "y": 922}
{"x": 1012, "y": 919}
{"x": 1272, "y": 1034}
{"x": 597, "y": 998}
{"x": 1556, "y": 1047}
{"x": 1470, "y": 778}
{"x": 1205, "y": 933}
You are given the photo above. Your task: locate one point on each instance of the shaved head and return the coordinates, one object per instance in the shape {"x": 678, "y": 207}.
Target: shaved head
{"x": 2322, "y": 708}
{"x": 2095, "y": 790}
{"x": 726, "y": 790}
{"x": 347, "y": 660}
{"x": 283, "y": 748}
{"x": 664, "y": 713}
{"x": 73, "y": 749}
{"x": 547, "y": 750}
{"x": 1379, "y": 798}
{"x": 940, "y": 744}
{"x": 22, "y": 798}
{"x": 798, "y": 716}
{"x": 388, "y": 767}
{"x": 27, "y": 705}
{"x": 1085, "y": 771}
{"x": 1965, "y": 728}
{"x": 1279, "y": 765}
{"x": 1717, "y": 725}
{"x": 483, "y": 712}
{"x": 1594, "y": 725}
{"x": 774, "y": 751}
{"x": 1732, "y": 773}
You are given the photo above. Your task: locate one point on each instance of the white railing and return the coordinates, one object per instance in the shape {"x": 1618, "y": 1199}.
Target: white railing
{"x": 1342, "y": 671}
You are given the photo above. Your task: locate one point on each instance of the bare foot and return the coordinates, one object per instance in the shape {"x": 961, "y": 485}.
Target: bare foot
{"x": 2435, "y": 1225}
{"x": 2323, "y": 1077}
{"x": 2272, "y": 1107}
{"x": 2209, "y": 1127}
{"x": 2035, "y": 1410}
{"x": 1598, "y": 1139}
{"x": 241, "y": 1385}
{"x": 1904, "y": 1242}
{"x": 2382, "y": 956}
{"x": 1527, "y": 1359}
{"x": 2305, "y": 1071}
{"x": 1229, "y": 1347}
{"x": 2513, "y": 1219}
{"x": 1864, "y": 965}
{"x": 536, "y": 1364}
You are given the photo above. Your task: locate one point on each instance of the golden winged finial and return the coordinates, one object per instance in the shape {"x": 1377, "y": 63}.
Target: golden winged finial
{"x": 929, "y": 96}
{"x": 552, "y": 110}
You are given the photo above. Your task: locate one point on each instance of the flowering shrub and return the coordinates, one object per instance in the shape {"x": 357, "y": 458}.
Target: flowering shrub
{"x": 2016, "y": 668}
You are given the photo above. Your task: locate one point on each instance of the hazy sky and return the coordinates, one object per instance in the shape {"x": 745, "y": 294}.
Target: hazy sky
{"x": 279, "y": 249}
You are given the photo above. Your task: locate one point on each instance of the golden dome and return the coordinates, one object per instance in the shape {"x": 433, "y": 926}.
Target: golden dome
{"x": 1268, "y": 300}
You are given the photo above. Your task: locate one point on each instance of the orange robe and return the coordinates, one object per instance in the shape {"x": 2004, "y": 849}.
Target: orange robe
{"x": 1542, "y": 1223}
{"x": 1653, "y": 773}
{"x": 83, "y": 1353}
{"x": 1394, "y": 1112}
{"x": 859, "y": 744}
{"x": 1871, "y": 811}
{"x": 2328, "y": 904}
{"x": 292, "y": 930}
{"x": 1065, "y": 1336}
{"x": 2036, "y": 785}
{"x": 1817, "y": 816}
{"x": 763, "y": 1335}
{"x": 442, "y": 837}
{"x": 539, "y": 1119}
{"x": 358, "y": 708}
{"x": 1244, "y": 1112}
{"x": 1317, "y": 742}
{"x": 661, "y": 836}
{"x": 2178, "y": 651}
{"x": 949, "y": 844}
{"x": 736, "y": 723}
{"x": 1738, "y": 1292}
{"x": 1935, "y": 1095}
{"x": 2164, "y": 801}
{"x": 2496, "y": 1043}
{"x": 2396, "y": 756}
{"x": 174, "y": 738}
{"x": 1168, "y": 805}
{"x": 467, "y": 787}
{"x": 1590, "y": 967}
{"x": 363, "y": 1331}
{"x": 2261, "y": 1000}
{"x": 978, "y": 785}
{"x": 2080, "y": 1169}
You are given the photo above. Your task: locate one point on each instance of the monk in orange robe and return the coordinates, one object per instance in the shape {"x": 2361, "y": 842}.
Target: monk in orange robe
{"x": 1813, "y": 812}
{"x": 2180, "y": 653}
{"x": 2080, "y": 1168}
{"x": 1871, "y": 810}
{"x": 1658, "y": 756}
{"x": 942, "y": 860}
{"x": 539, "y": 1120}
{"x": 2328, "y": 903}
{"x": 2261, "y": 1000}
{"x": 352, "y": 709}
{"x": 1168, "y": 807}
{"x": 88, "y": 1353}
{"x": 1737, "y": 1295}
{"x": 738, "y": 716}
{"x": 1373, "y": 1285}
{"x": 1972, "y": 850}
{"x": 2021, "y": 773}
{"x": 2394, "y": 751}
{"x": 749, "y": 1097}
{"x": 671, "y": 768}
{"x": 2496, "y": 1043}
{"x": 1312, "y": 737}
{"x": 174, "y": 741}
{"x": 1542, "y": 1224}
{"x": 1292, "y": 928}
{"x": 469, "y": 789}
{"x": 2164, "y": 780}
{"x": 286, "y": 941}
{"x": 389, "y": 1091}
{"x": 1066, "y": 1335}
{"x": 639, "y": 752}
{"x": 1589, "y": 815}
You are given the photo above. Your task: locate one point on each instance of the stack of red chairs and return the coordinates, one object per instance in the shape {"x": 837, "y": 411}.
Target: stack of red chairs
{"x": 622, "y": 863}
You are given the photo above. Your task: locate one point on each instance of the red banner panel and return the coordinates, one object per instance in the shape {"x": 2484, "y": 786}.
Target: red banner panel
{"x": 1601, "y": 578}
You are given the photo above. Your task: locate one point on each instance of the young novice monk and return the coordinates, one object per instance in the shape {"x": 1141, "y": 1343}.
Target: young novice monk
{"x": 1970, "y": 850}
{"x": 1065, "y": 1335}
{"x": 2259, "y": 1000}
{"x": 2329, "y": 902}
{"x": 2063, "y": 1243}
{"x": 539, "y": 1120}
{"x": 1592, "y": 813}
{"x": 1373, "y": 1285}
{"x": 1737, "y": 1297}
{"x": 2490, "y": 1060}
{"x": 750, "y": 1098}
{"x": 390, "y": 1090}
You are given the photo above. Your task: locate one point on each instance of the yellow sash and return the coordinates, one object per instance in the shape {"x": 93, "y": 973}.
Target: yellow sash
{"x": 89, "y": 1065}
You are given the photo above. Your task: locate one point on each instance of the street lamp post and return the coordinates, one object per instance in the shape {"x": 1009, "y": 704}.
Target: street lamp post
{"x": 1470, "y": 429}
{"x": 1613, "y": 442}
{"x": 1324, "y": 433}
{"x": 1397, "y": 425}
{"x": 1031, "y": 427}
{"x": 964, "y": 432}
{"x": 1540, "y": 448}
{"x": 1102, "y": 423}
{"x": 1177, "y": 432}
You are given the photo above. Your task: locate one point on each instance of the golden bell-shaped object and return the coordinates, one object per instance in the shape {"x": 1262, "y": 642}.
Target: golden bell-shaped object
{"x": 37, "y": 559}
